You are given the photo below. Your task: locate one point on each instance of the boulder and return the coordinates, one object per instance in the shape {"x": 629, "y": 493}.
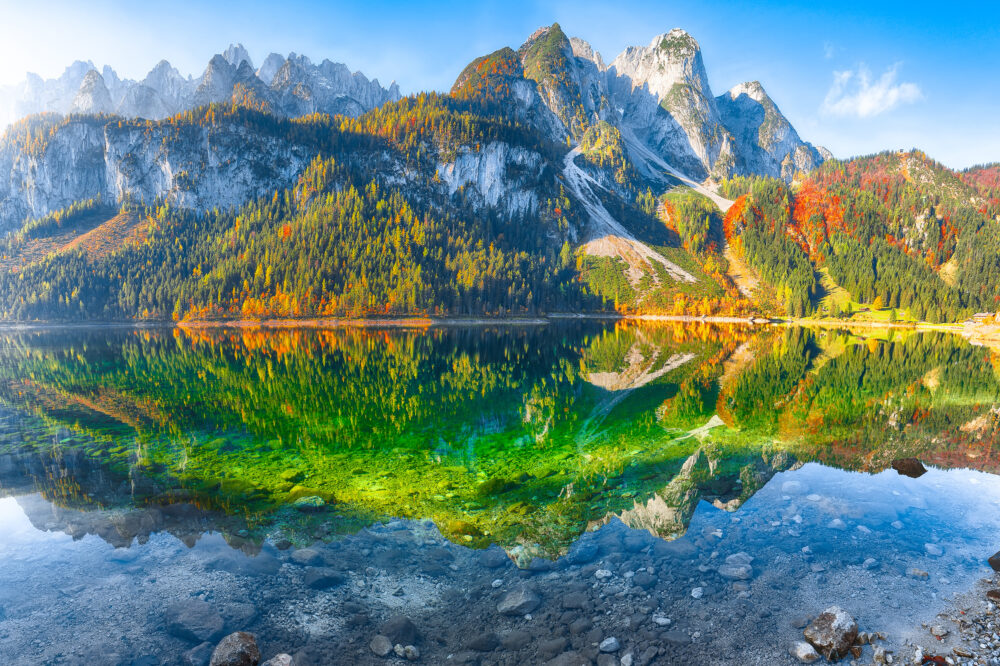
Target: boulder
{"x": 310, "y": 504}
{"x": 238, "y": 649}
{"x": 199, "y": 655}
{"x": 323, "y": 579}
{"x": 307, "y": 557}
{"x": 995, "y": 562}
{"x": 832, "y": 633}
{"x": 736, "y": 571}
{"x": 279, "y": 660}
{"x": 609, "y": 644}
{"x": 583, "y": 553}
{"x": 804, "y": 652}
{"x": 381, "y": 646}
{"x": 194, "y": 620}
{"x": 400, "y": 630}
{"x": 487, "y": 642}
{"x": 518, "y": 602}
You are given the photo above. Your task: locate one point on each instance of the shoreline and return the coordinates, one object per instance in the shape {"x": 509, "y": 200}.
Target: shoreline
{"x": 979, "y": 334}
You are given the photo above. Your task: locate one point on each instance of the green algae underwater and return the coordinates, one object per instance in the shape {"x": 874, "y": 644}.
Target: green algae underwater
{"x": 519, "y": 436}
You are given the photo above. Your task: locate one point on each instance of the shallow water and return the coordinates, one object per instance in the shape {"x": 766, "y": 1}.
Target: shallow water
{"x": 307, "y": 486}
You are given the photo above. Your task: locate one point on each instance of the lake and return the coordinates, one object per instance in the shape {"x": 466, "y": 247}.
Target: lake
{"x": 488, "y": 494}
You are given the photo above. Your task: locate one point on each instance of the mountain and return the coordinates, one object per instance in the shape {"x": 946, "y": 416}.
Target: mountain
{"x": 765, "y": 141}
{"x": 659, "y": 98}
{"x": 324, "y": 88}
{"x": 546, "y": 180}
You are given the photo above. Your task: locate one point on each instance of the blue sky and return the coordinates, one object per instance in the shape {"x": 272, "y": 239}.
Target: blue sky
{"x": 855, "y": 77}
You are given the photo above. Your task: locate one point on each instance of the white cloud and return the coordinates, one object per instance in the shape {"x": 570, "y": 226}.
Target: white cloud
{"x": 828, "y": 50}
{"x": 854, "y": 93}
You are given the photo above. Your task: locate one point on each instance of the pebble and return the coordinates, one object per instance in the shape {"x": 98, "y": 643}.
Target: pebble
{"x": 609, "y": 644}
{"x": 601, "y": 574}
{"x": 408, "y": 652}
{"x": 697, "y": 593}
{"x": 661, "y": 621}
{"x": 933, "y": 549}
{"x": 497, "y": 583}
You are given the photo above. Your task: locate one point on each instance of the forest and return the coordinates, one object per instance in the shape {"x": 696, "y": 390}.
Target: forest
{"x": 894, "y": 232}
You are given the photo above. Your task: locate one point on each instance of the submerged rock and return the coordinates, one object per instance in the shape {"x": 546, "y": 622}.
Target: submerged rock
{"x": 323, "y": 579}
{"x": 381, "y": 646}
{"x": 408, "y": 652}
{"x": 910, "y": 467}
{"x": 279, "y": 660}
{"x": 518, "y": 602}
{"x": 238, "y": 649}
{"x": 804, "y": 652}
{"x": 832, "y": 633}
{"x": 309, "y": 503}
{"x": 198, "y": 655}
{"x": 195, "y": 620}
{"x": 995, "y": 562}
{"x": 486, "y": 642}
{"x": 609, "y": 644}
{"x": 400, "y": 630}
{"x": 307, "y": 557}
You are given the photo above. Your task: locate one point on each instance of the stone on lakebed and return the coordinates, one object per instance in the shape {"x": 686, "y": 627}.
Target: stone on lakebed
{"x": 832, "y": 633}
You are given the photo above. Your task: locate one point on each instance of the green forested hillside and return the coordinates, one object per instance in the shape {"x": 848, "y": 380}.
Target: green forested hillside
{"x": 896, "y": 230}
{"x": 380, "y": 224}
{"x": 339, "y": 242}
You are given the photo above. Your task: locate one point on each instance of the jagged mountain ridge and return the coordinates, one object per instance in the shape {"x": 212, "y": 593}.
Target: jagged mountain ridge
{"x": 659, "y": 96}
{"x": 289, "y": 86}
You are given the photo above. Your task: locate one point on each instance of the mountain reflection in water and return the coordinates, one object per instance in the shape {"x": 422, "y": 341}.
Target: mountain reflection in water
{"x": 522, "y": 436}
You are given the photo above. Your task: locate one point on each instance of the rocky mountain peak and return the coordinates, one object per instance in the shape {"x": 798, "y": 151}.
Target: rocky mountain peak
{"x": 671, "y": 58}
{"x": 272, "y": 63}
{"x": 75, "y": 72}
{"x": 93, "y": 96}
{"x": 236, "y": 54}
{"x": 304, "y": 88}
{"x": 751, "y": 89}
{"x": 677, "y": 43}
{"x": 583, "y": 49}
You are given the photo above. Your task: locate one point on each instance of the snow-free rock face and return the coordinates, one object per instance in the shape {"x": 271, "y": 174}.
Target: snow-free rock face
{"x": 221, "y": 166}
{"x": 660, "y": 99}
{"x": 499, "y": 175}
{"x": 670, "y": 59}
{"x": 93, "y": 96}
{"x": 668, "y": 103}
{"x": 767, "y": 143}
{"x": 305, "y": 88}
